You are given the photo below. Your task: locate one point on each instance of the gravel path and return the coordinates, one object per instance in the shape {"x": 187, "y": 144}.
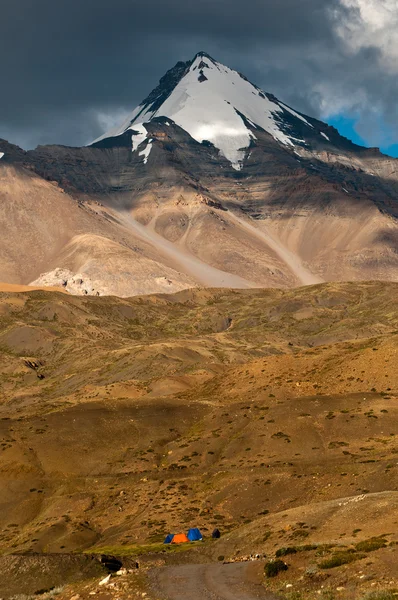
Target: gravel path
{"x": 236, "y": 581}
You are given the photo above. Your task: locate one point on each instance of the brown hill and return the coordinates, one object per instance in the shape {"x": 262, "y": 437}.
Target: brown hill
{"x": 123, "y": 419}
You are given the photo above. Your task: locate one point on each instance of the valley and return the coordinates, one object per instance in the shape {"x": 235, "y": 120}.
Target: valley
{"x": 269, "y": 414}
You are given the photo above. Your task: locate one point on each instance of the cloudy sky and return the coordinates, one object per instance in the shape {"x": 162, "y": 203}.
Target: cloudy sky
{"x": 70, "y": 69}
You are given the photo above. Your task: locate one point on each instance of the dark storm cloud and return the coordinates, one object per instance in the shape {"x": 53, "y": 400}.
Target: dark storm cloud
{"x": 68, "y": 68}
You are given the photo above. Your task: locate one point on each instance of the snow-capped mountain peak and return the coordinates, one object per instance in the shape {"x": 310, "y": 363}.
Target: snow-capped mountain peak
{"x": 212, "y": 103}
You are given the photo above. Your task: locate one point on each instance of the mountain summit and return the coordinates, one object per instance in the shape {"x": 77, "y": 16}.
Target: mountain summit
{"x": 216, "y": 105}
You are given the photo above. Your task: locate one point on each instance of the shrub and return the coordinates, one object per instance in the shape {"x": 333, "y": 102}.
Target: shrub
{"x": 381, "y": 595}
{"x": 221, "y": 558}
{"x": 274, "y": 567}
{"x": 340, "y": 558}
{"x": 299, "y": 533}
{"x": 371, "y": 544}
{"x": 286, "y": 551}
{"x": 323, "y": 549}
{"x": 294, "y": 596}
{"x": 307, "y": 547}
{"x": 311, "y": 572}
{"x": 294, "y": 549}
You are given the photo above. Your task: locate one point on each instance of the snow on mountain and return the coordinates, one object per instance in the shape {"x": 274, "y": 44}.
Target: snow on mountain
{"x": 214, "y": 103}
{"x": 139, "y": 136}
{"x": 1, "y": 154}
{"x": 146, "y": 152}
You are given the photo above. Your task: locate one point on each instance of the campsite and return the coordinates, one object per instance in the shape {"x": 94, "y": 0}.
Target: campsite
{"x": 192, "y": 535}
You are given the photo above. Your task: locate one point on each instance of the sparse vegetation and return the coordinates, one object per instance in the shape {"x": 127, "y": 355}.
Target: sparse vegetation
{"x": 381, "y": 595}
{"x": 286, "y": 551}
{"x": 340, "y": 558}
{"x": 43, "y": 594}
{"x": 197, "y": 454}
{"x": 274, "y": 567}
{"x": 371, "y": 544}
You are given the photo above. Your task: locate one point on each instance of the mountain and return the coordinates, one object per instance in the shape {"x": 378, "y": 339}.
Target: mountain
{"x": 218, "y": 106}
{"x": 209, "y": 182}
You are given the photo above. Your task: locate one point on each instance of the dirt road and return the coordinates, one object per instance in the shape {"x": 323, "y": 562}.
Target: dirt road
{"x": 236, "y": 581}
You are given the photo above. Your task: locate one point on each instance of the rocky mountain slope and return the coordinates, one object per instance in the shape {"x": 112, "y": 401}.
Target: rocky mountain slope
{"x": 210, "y": 182}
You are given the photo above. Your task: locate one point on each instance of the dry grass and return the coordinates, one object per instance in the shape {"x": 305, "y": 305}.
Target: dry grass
{"x": 154, "y": 416}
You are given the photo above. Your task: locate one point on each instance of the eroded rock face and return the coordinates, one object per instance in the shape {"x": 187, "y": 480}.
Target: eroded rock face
{"x": 74, "y": 283}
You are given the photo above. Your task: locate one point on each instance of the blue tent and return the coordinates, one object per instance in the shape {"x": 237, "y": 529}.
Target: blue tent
{"x": 194, "y": 535}
{"x": 169, "y": 538}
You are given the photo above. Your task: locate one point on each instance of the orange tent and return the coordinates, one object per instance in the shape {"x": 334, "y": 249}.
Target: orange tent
{"x": 179, "y": 538}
